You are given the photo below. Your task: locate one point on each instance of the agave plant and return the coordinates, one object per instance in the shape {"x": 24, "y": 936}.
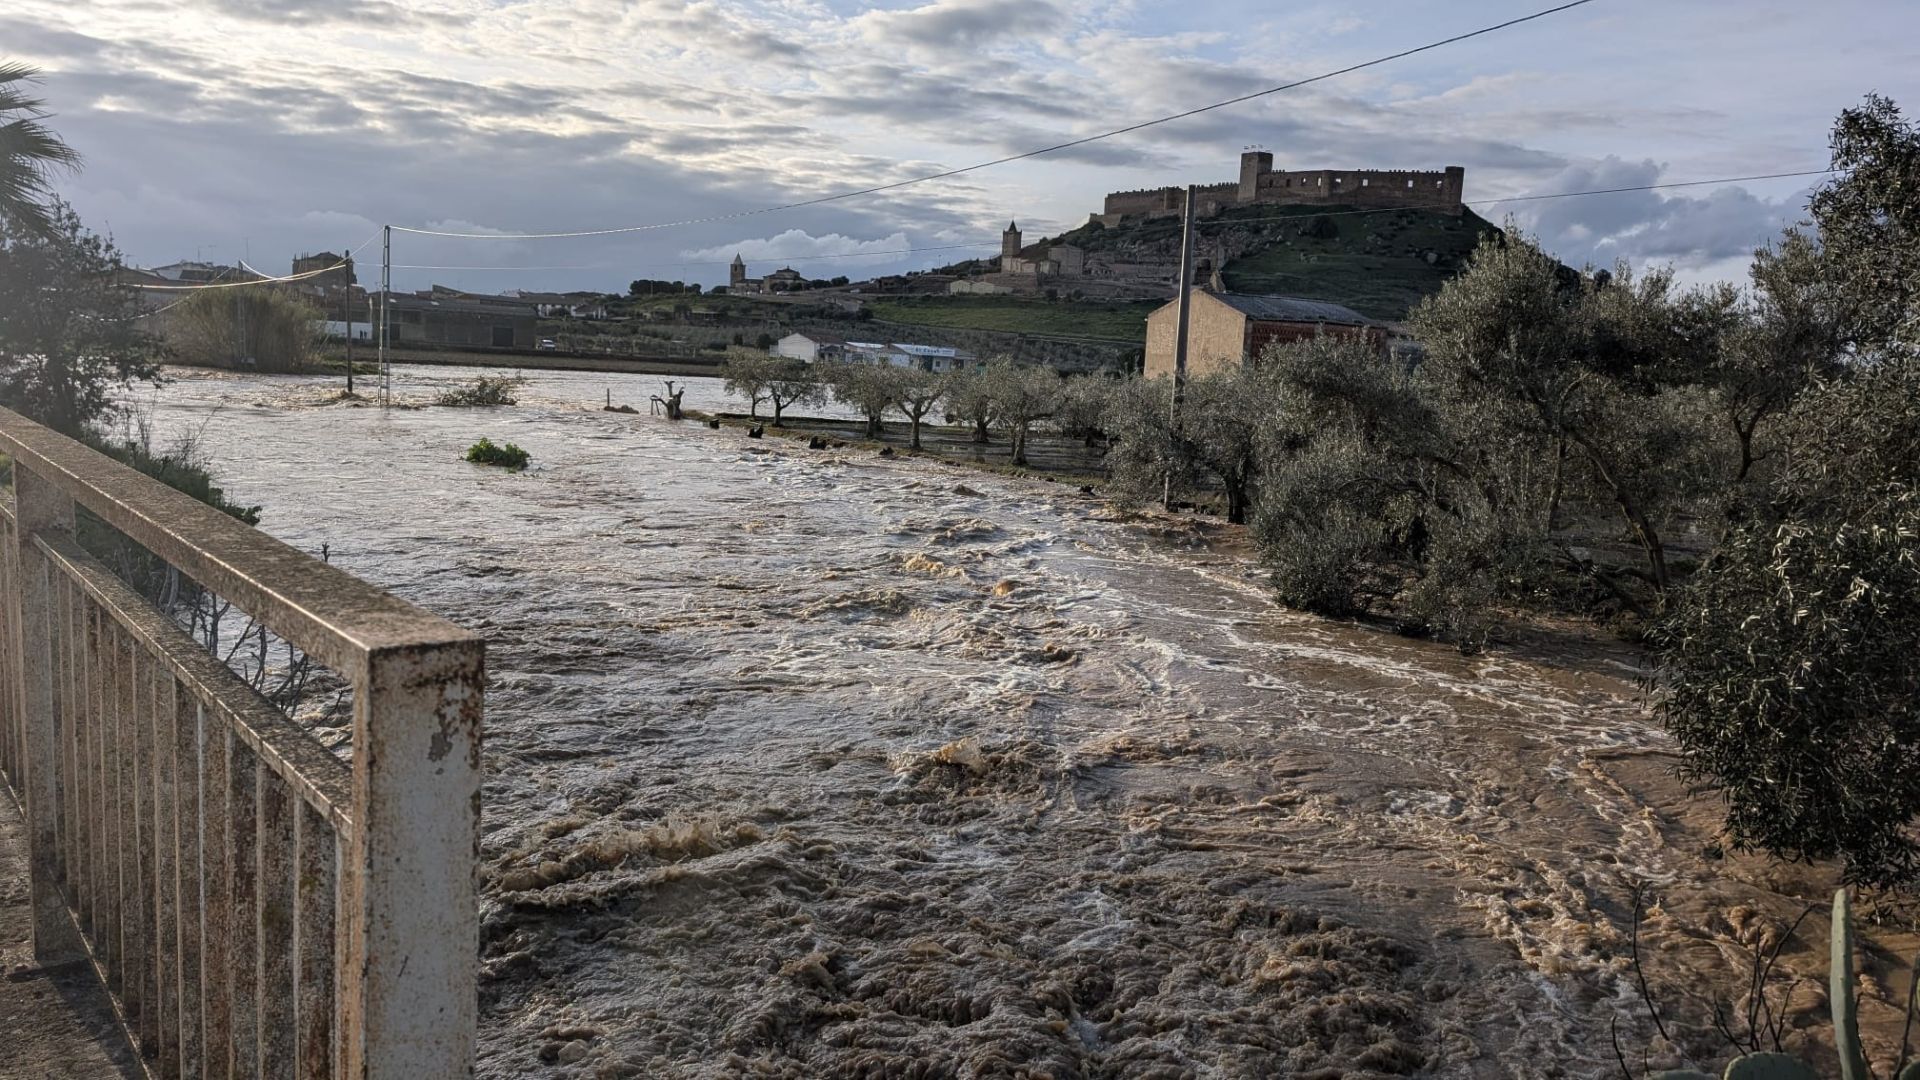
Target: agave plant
{"x": 1846, "y": 1023}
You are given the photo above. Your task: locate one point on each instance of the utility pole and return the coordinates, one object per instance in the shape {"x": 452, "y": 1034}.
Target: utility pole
{"x": 386, "y": 287}
{"x": 346, "y": 316}
{"x": 1180, "y": 335}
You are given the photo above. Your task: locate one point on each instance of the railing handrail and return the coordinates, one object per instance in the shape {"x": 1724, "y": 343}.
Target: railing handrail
{"x": 321, "y": 779}
{"x": 330, "y": 614}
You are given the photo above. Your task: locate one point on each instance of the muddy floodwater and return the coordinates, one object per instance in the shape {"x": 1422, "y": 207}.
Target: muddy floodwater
{"x": 820, "y": 764}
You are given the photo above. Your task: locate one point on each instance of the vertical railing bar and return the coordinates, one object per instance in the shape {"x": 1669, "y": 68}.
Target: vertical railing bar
{"x": 90, "y": 775}
{"x": 134, "y": 917}
{"x": 69, "y": 723}
{"x": 216, "y": 898}
{"x": 165, "y": 850}
{"x": 315, "y": 867}
{"x": 243, "y": 926}
{"x": 106, "y": 745}
{"x": 189, "y": 872}
{"x": 274, "y": 964}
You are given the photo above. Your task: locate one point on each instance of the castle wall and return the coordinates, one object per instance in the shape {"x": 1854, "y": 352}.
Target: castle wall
{"x": 1440, "y": 189}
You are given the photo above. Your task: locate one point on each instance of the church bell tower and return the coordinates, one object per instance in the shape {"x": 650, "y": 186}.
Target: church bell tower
{"x": 1009, "y": 247}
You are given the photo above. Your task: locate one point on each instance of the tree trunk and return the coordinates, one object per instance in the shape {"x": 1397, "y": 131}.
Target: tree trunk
{"x": 778, "y": 408}
{"x": 1745, "y": 435}
{"x": 1649, "y": 539}
{"x": 915, "y": 443}
{"x": 874, "y": 430}
{"x": 980, "y": 431}
{"x": 1236, "y": 502}
{"x": 1020, "y": 444}
{"x": 1553, "y": 496}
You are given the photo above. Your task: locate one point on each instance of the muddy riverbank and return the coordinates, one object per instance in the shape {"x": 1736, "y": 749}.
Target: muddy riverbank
{"x": 821, "y": 764}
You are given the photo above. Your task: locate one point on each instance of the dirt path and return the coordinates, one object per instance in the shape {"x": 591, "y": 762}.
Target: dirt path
{"x": 51, "y": 1024}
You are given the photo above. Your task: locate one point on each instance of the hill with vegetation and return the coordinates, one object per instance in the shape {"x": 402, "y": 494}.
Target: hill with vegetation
{"x": 1380, "y": 263}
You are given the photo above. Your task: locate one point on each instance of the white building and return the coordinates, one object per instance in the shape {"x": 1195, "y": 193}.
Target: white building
{"x": 810, "y": 348}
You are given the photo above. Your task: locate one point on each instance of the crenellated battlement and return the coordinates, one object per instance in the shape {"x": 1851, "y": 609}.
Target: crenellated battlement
{"x": 1260, "y": 182}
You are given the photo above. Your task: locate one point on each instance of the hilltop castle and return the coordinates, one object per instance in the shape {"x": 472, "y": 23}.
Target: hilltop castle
{"x": 1259, "y": 183}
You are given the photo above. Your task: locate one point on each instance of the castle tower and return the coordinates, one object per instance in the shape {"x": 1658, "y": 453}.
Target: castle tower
{"x": 736, "y": 274}
{"x": 1253, "y": 165}
{"x": 1009, "y": 247}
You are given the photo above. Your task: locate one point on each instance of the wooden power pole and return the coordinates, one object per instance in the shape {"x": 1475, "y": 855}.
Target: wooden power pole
{"x": 1180, "y": 333}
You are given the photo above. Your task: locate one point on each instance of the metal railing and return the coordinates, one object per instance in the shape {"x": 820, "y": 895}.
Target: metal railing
{"x": 256, "y": 906}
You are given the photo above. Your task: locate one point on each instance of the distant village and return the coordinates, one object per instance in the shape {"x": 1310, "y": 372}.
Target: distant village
{"x": 1226, "y": 324}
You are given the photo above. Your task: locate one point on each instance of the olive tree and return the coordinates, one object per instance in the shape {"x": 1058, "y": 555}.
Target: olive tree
{"x": 868, "y": 388}
{"x": 749, "y": 374}
{"x": 1791, "y": 662}
{"x": 1022, "y": 397}
{"x": 915, "y": 393}
{"x": 792, "y": 382}
{"x": 970, "y": 400}
{"x": 70, "y": 335}
{"x": 1212, "y": 440}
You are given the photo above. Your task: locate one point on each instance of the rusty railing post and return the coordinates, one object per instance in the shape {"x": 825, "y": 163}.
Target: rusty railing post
{"x": 412, "y": 925}
{"x": 40, "y": 507}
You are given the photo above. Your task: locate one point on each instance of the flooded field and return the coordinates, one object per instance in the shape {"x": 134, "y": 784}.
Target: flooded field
{"x": 819, "y": 764}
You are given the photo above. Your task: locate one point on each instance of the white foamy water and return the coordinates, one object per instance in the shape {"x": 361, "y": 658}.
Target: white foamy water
{"x": 807, "y": 764}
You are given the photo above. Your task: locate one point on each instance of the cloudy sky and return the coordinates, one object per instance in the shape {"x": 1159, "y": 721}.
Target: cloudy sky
{"x": 263, "y": 128}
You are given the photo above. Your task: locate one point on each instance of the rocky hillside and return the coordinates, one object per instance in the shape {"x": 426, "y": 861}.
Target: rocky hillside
{"x": 1380, "y": 264}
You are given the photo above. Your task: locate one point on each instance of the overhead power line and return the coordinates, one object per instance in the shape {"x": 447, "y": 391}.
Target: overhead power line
{"x": 1055, "y": 148}
{"x": 717, "y": 262}
{"x": 216, "y": 284}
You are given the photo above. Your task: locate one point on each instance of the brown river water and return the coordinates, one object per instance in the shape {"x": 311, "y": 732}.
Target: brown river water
{"x": 820, "y": 764}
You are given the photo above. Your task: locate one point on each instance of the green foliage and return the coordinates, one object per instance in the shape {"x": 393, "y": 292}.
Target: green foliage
{"x": 1791, "y": 663}
{"x": 1026, "y": 315}
{"x": 761, "y": 377}
{"x": 871, "y": 389}
{"x": 484, "y": 392}
{"x": 1021, "y": 397}
{"x": 70, "y": 336}
{"x": 29, "y": 155}
{"x": 1213, "y": 438}
{"x": 507, "y": 455}
{"x": 1792, "y": 681}
{"x": 1380, "y": 264}
{"x": 1768, "y": 1066}
{"x": 257, "y": 327}
{"x": 653, "y": 287}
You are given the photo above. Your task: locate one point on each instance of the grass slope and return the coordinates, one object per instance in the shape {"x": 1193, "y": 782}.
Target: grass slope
{"x": 1021, "y": 315}
{"x": 1381, "y": 265}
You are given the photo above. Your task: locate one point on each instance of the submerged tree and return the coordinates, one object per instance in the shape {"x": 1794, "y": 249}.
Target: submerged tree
{"x": 970, "y": 400}
{"x": 868, "y": 388}
{"x": 915, "y": 393}
{"x": 1213, "y": 438}
{"x": 748, "y": 374}
{"x": 254, "y": 326}
{"x": 1022, "y": 397}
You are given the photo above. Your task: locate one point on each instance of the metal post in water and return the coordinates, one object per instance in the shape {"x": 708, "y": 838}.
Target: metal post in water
{"x": 386, "y": 286}
{"x": 1180, "y": 334}
{"x": 346, "y": 316}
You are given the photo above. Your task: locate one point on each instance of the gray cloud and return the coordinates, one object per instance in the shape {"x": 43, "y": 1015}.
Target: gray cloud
{"x": 1650, "y": 226}
{"x": 961, "y": 23}
{"x": 383, "y": 13}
